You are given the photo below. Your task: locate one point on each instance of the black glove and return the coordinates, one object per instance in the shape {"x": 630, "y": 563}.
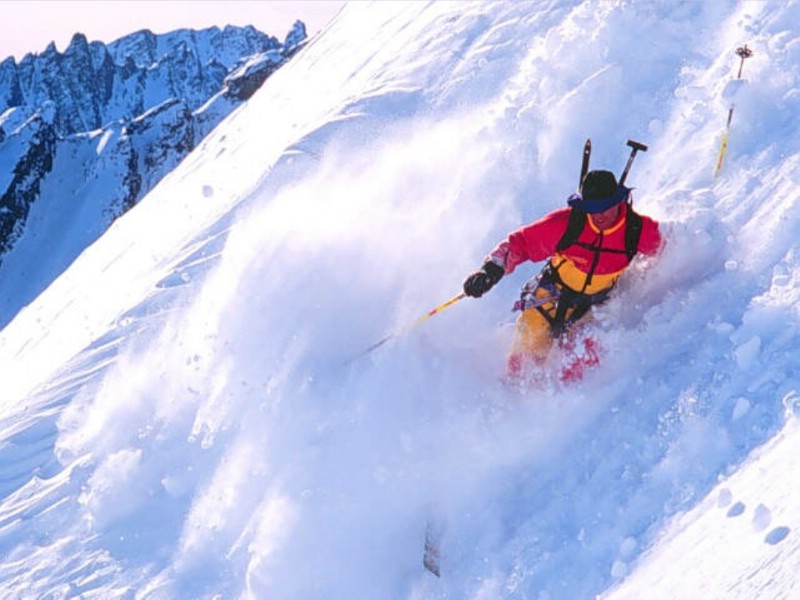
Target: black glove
{"x": 480, "y": 282}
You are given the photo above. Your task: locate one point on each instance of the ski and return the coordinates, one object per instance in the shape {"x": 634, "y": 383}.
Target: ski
{"x": 587, "y": 154}
{"x": 431, "y": 558}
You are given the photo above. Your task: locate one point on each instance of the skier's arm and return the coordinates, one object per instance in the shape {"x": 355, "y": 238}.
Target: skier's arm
{"x": 534, "y": 242}
{"x": 650, "y": 241}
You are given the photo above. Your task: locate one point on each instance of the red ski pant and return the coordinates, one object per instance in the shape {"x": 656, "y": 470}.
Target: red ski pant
{"x": 533, "y": 339}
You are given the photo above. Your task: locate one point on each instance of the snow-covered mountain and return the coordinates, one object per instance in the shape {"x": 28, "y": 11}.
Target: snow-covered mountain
{"x": 181, "y": 414}
{"x": 86, "y": 133}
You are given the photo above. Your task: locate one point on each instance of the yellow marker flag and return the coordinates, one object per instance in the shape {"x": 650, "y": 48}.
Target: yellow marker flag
{"x": 723, "y": 147}
{"x": 742, "y": 52}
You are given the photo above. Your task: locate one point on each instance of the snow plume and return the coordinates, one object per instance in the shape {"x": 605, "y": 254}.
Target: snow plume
{"x": 201, "y": 420}
{"x": 258, "y": 369}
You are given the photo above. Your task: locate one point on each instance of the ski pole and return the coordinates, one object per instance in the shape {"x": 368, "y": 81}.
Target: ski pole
{"x": 742, "y": 52}
{"x": 419, "y": 321}
{"x": 635, "y": 147}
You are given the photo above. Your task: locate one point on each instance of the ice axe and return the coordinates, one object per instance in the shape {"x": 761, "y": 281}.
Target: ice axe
{"x": 635, "y": 147}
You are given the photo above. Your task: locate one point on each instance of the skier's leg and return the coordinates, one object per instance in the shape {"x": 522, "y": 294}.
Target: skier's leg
{"x": 531, "y": 345}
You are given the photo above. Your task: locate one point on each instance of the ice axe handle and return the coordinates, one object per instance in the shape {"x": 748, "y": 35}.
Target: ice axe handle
{"x": 635, "y": 147}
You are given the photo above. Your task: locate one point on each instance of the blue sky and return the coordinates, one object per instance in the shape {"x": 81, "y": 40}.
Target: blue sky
{"x": 30, "y": 26}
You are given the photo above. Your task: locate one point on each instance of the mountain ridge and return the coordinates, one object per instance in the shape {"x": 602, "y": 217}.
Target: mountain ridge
{"x": 124, "y": 113}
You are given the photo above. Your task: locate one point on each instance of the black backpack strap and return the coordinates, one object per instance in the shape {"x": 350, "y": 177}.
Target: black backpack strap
{"x": 633, "y": 231}
{"x": 577, "y": 220}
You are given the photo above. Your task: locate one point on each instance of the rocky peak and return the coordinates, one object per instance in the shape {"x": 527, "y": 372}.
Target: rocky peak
{"x": 295, "y": 38}
{"x": 78, "y": 44}
{"x": 10, "y": 92}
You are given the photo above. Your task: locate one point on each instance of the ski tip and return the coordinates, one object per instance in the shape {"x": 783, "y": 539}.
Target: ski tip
{"x": 430, "y": 559}
{"x": 432, "y": 568}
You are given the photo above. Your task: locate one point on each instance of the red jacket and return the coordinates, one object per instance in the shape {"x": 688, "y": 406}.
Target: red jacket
{"x": 537, "y": 242}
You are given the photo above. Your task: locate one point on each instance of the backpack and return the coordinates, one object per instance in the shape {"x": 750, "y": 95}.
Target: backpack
{"x": 577, "y": 221}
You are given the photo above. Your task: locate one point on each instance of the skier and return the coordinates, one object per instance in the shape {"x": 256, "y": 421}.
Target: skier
{"x": 587, "y": 247}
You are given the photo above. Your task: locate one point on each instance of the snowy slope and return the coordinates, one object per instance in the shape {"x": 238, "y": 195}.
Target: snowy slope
{"x": 740, "y": 542}
{"x": 180, "y": 415}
